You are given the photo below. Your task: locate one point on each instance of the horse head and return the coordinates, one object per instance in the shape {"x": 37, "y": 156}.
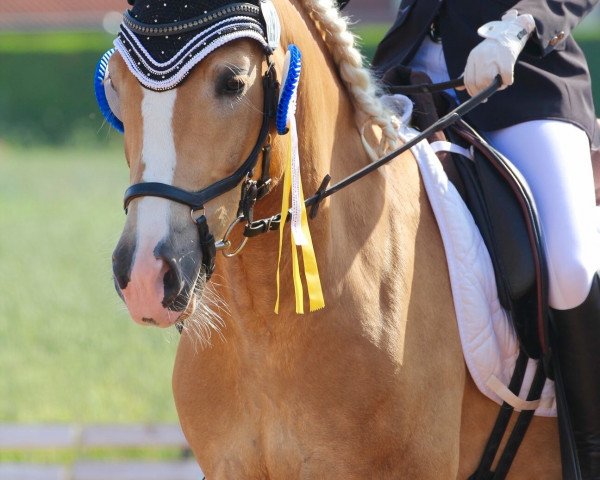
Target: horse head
{"x": 191, "y": 134}
{"x": 194, "y": 95}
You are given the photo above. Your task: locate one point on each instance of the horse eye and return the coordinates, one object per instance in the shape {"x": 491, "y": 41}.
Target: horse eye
{"x": 111, "y": 84}
{"x": 233, "y": 85}
{"x": 108, "y": 82}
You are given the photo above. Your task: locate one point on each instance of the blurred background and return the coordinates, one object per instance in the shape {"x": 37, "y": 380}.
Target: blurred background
{"x": 69, "y": 354}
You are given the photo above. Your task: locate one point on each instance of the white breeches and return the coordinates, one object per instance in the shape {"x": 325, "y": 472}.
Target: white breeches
{"x": 554, "y": 158}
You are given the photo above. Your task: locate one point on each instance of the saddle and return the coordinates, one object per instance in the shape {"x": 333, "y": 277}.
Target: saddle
{"x": 503, "y": 208}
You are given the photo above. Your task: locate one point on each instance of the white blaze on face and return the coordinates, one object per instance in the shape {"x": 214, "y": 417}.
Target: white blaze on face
{"x": 145, "y": 291}
{"x": 159, "y": 159}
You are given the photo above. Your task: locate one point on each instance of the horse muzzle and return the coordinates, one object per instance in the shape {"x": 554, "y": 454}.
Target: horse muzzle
{"x": 157, "y": 280}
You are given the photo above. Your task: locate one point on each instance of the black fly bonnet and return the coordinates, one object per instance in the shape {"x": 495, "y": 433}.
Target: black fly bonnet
{"x": 161, "y": 41}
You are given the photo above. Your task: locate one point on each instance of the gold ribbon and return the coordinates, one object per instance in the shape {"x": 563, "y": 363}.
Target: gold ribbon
{"x": 311, "y": 271}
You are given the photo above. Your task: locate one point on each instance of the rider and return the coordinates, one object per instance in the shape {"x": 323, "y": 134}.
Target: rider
{"x": 544, "y": 124}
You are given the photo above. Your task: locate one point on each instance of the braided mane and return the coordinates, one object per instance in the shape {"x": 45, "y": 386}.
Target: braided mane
{"x": 358, "y": 79}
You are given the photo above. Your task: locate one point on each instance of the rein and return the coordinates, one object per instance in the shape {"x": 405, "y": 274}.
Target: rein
{"x": 259, "y": 227}
{"x": 427, "y": 87}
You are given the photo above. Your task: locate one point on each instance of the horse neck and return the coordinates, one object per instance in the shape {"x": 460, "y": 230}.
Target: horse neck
{"x": 329, "y": 143}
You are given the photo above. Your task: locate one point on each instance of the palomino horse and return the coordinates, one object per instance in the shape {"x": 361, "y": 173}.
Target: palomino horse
{"x": 372, "y": 386}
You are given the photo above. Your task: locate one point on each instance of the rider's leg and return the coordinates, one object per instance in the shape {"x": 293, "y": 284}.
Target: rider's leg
{"x": 554, "y": 157}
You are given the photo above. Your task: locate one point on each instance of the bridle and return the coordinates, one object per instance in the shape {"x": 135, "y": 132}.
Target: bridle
{"x": 253, "y": 190}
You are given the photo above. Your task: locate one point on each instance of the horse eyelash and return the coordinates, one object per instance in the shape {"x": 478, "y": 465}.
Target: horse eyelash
{"x": 238, "y": 73}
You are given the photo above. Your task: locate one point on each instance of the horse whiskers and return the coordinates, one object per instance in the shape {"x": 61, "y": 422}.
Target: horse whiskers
{"x": 249, "y": 105}
{"x": 208, "y": 314}
{"x": 210, "y": 300}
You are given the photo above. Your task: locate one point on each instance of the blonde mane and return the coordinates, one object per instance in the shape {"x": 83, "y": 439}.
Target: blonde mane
{"x": 359, "y": 80}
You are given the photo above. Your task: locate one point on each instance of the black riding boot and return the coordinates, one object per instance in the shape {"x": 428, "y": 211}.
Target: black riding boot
{"x": 578, "y": 345}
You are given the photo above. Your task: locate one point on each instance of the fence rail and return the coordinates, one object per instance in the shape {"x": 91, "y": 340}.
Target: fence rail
{"x": 68, "y": 437}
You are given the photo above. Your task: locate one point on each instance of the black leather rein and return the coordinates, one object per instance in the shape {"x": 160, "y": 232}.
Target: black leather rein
{"x": 426, "y": 87}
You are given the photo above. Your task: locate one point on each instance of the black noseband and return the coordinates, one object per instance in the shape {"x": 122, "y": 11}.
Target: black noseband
{"x": 196, "y": 200}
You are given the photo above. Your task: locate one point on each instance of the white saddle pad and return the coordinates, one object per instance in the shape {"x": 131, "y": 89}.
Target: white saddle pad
{"x": 489, "y": 341}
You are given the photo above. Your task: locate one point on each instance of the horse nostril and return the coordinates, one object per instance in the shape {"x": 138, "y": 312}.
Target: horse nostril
{"x": 122, "y": 260}
{"x": 121, "y": 279}
{"x": 179, "y": 274}
{"x": 173, "y": 283}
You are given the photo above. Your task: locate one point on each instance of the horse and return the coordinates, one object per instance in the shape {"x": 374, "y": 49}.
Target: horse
{"x": 372, "y": 386}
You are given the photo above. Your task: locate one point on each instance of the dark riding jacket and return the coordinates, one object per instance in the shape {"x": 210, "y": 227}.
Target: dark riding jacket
{"x": 552, "y": 79}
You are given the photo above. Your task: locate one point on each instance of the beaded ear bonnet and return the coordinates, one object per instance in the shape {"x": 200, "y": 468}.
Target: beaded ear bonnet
{"x": 162, "y": 40}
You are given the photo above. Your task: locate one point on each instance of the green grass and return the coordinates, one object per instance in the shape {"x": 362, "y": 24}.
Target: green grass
{"x": 70, "y": 456}
{"x": 591, "y": 48}
{"x": 369, "y": 37}
{"x": 68, "y": 350}
{"x": 55, "y": 42}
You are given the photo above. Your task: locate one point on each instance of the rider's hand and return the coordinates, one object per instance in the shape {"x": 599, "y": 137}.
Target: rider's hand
{"x": 497, "y": 54}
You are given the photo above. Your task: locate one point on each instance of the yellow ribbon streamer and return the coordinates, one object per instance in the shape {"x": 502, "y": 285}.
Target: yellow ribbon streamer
{"x": 311, "y": 271}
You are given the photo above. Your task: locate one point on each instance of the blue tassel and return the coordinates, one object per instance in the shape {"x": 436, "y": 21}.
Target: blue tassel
{"x": 101, "y": 94}
{"x": 290, "y": 84}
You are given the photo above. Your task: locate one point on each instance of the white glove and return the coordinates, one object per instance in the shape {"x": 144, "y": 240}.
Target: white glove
{"x": 498, "y": 53}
